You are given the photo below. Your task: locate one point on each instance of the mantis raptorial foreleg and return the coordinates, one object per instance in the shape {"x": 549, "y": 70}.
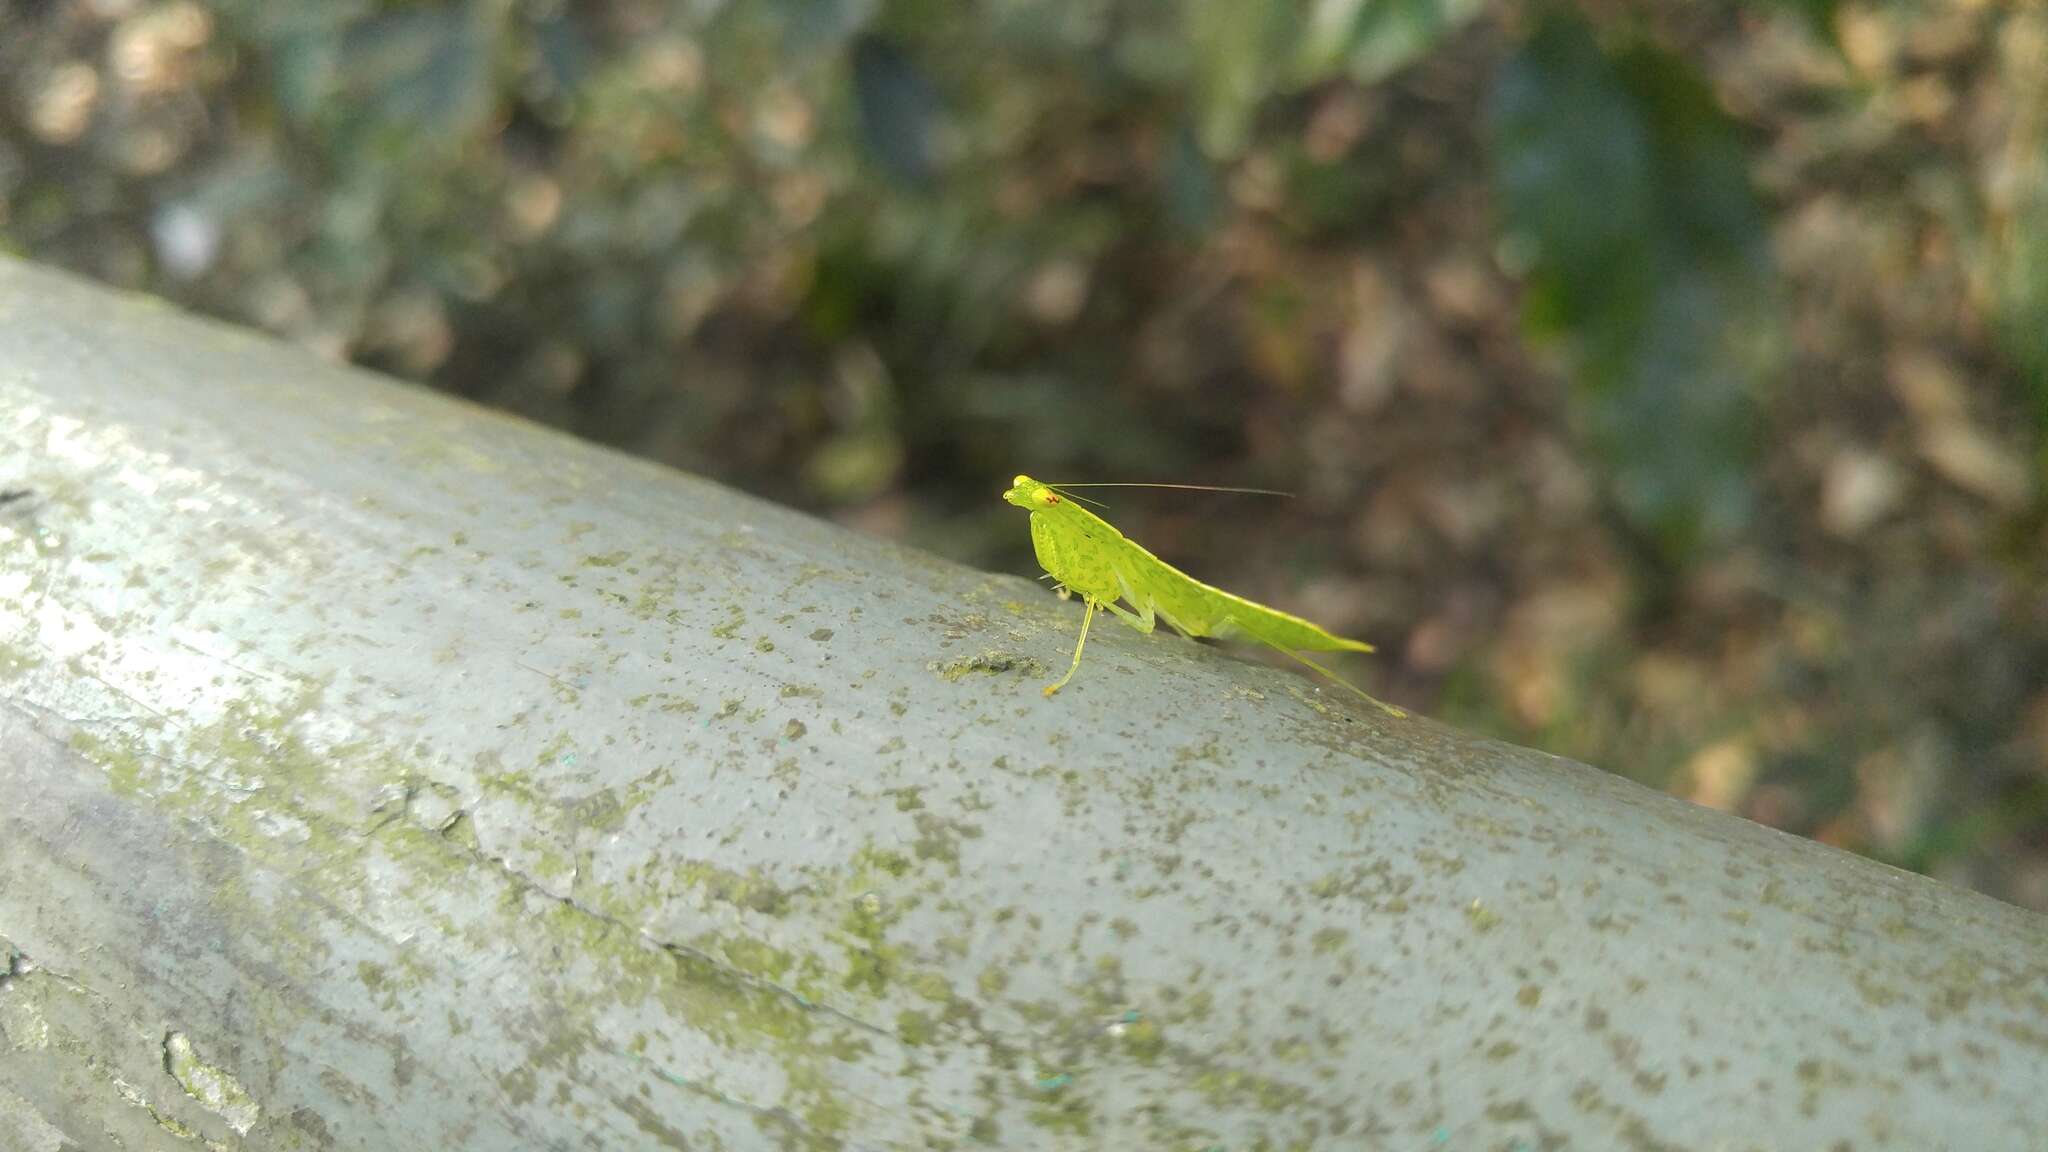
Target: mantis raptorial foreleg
{"x": 1087, "y": 618}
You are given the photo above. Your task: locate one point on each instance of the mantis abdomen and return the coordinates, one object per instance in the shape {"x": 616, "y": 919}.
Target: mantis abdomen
{"x": 1200, "y": 609}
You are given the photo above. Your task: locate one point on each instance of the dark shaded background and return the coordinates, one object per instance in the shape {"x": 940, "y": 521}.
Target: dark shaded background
{"x": 1664, "y": 384}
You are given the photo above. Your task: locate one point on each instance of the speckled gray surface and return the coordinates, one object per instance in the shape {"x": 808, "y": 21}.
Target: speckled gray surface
{"x": 380, "y": 773}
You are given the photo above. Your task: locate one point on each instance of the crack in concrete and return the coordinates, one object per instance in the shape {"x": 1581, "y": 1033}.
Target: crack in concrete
{"x": 684, "y": 951}
{"x": 135, "y": 1098}
{"x": 21, "y": 966}
{"x": 778, "y": 1115}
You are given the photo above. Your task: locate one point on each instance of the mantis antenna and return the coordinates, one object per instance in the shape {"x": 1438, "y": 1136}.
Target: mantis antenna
{"x": 1183, "y": 487}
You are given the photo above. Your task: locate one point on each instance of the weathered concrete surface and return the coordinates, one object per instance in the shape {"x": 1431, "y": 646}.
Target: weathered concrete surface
{"x": 379, "y": 773}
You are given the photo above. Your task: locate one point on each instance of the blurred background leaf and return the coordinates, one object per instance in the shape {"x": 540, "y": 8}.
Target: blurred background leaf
{"x": 899, "y": 111}
{"x": 1625, "y": 198}
{"x": 1372, "y": 39}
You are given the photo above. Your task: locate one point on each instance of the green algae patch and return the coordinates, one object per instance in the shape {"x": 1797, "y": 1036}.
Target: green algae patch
{"x": 871, "y": 961}
{"x": 15, "y": 661}
{"x": 1482, "y": 918}
{"x": 884, "y": 861}
{"x": 1233, "y": 1089}
{"x": 869, "y": 969}
{"x": 914, "y": 1028}
{"x": 123, "y": 765}
{"x": 939, "y": 838}
{"x": 751, "y": 956}
{"x": 1143, "y": 1040}
{"x": 803, "y": 977}
{"x": 749, "y": 890}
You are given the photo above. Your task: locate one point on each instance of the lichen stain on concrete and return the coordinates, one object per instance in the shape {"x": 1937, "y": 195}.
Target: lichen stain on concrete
{"x": 22, "y": 1026}
{"x": 745, "y": 1019}
{"x": 216, "y": 1090}
{"x": 994, "y": 661}
{"x": 727, "y": 1007}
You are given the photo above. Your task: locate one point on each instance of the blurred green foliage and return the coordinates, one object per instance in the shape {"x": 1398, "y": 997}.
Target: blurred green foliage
{"x": 1624, "y": 194}
{"x": 1664, "y": 384}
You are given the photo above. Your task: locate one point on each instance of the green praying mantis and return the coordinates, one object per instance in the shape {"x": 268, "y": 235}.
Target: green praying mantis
{"x": 1087, "y": 556}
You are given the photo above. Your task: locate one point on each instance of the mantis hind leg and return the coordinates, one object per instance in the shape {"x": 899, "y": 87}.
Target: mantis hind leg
{"x": 1389, "y": 709}
{"x": 1144, "y": 621}
{"x": 1177, "y": 626}
{"x": 1087, "y": 619}
{"x": 1141, "y": 620}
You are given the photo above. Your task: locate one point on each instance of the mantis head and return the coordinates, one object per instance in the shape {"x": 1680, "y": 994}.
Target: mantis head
{"x": 1028, "y": 493}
